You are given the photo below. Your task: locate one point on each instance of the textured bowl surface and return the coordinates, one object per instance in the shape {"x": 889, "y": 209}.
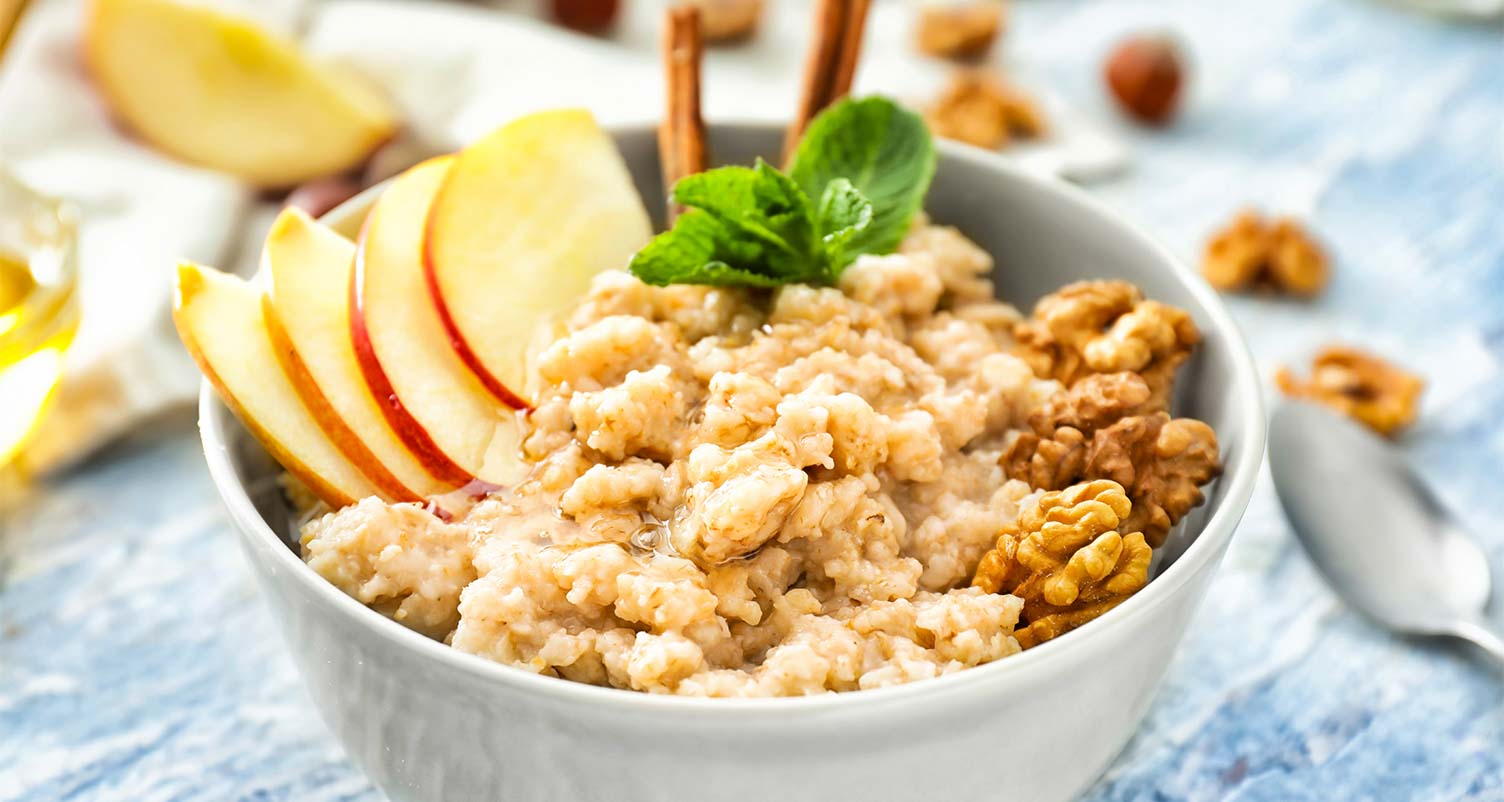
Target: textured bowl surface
{"x": 429, "y": 723}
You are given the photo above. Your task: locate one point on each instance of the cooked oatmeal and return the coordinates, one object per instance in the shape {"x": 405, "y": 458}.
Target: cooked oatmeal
{"x": 738, "y": 492}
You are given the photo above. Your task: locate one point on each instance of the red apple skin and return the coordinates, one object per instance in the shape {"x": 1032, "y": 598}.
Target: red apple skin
{"x": 456, "y": 339}
{"x": 401, "y": 420}
{"x": 344, "y": 438}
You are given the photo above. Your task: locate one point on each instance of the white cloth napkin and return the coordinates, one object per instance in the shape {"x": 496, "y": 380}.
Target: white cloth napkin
{"x": 455, "y": 71}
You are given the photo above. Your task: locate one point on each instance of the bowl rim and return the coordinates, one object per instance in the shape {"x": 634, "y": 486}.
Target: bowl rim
{"x": 1241, "y": 476}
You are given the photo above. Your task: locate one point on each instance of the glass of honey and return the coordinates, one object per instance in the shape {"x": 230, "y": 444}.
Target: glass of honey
{"x": 38, "y": 306}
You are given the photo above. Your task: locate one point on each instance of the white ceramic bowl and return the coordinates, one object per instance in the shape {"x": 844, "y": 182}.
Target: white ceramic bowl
{"x": 430, "y": 723}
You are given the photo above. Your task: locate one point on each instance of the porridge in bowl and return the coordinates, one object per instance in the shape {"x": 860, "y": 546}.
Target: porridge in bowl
{"x": 799, "y": 447}
{"x": 747, "y": 493}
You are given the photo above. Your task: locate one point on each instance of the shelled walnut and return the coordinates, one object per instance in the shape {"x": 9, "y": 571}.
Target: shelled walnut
{"x": 981, "y": 109}
{"x": 961, "y": 29}
{"x": 1106, "y": 426}
{"x": 1094, "y": 403}
{"x": 1163, "y": 462}
{"x": 1360, "y": 385}
{"x": 1251, "y": 251}
{"x": 728, "y": 20}
{"x": 1105, "y": 327}
{"x": 1067, "y": 559}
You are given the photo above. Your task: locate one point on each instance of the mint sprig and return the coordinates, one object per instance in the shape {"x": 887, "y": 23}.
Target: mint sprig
{"x": 884, "y": 150}
{"x": 859, "y": 175}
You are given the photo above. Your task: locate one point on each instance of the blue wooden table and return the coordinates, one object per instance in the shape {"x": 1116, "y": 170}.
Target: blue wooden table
{"x": 136, "y": 662}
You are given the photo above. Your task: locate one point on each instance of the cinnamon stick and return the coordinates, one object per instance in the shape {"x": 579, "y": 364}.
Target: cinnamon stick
{"x": 851, "y": 49}
{"x": 830, "y": 66}
{"x": 681, "y": 137}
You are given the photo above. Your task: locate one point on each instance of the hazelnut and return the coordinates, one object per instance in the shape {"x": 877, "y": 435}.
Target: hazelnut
{"x": 727, "y": 20}
{"x": 1145, "y": 74}
{"x": 959, "y": 30}
{"x": 585, "y": 15}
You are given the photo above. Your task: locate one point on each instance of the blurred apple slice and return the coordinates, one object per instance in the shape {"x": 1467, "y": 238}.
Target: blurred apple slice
{"x": 221, "y": 92}
{"x": 219, "y": 319}
{"x": 433, "y": 402}
{"x": 308, "y": 269}
{"x": 524, "y": 220}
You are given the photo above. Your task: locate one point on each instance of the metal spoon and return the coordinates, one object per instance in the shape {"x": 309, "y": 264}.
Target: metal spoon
{"x": 1377, "y": 533}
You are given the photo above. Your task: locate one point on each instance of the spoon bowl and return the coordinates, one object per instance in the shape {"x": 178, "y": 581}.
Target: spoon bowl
{"x": 1374, "y": 529}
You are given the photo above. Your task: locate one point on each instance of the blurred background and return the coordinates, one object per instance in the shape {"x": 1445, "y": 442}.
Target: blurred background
{"x": 1335, "y": 167}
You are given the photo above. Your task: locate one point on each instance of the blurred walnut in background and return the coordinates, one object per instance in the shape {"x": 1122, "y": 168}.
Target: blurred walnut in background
{"x": 959, "y": 29}
{"x": 1360, "y": 385}
{"x": 1253, "y": 252}
{"x": 727, "y": 20}
{"x": 1068, "y": 559}
{"x": 981, "y": 109}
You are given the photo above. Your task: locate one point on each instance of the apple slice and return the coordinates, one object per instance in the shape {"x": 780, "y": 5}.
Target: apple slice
{"x": 524, "y": 220}
{"x": 219, "y": 319}
{"x": 433, "y": 402}
{"x": 308, "y": 269}
{"x": 219, "y": 91}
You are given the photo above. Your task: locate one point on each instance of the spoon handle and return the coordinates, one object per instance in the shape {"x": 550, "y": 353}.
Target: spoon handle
{"x": 1484, "y": 636}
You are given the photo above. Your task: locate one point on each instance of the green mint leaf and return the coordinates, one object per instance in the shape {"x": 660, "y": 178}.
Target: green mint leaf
{"x": 843, "y": 214}
{"x": 884, "y": 150}
{"x": 701, "y": 249}
{"x": 747, "y": 226}
{"x": 857, "y": 179}
{"x": 761, "y": 206}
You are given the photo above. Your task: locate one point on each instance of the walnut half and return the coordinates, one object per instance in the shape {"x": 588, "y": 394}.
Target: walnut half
{"x": 1067, "y": 560}
{"x": 1106, "y": 327}
{"x": 1250, "y": 251}
{"x": 959, "y": 29}
{"x": 728, "y": 20}
{"x": 981, "y": 109}
{"x": 1360, "y": 385}
{"x": 1107, "y": 426}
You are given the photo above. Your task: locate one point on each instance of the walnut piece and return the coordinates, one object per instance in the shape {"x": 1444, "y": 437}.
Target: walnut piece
{"x": 1360, "y": 385}
{"x": 1107, "y": 426}
{"x": 1162, "y": 462}
{"x": 1095, "y": 402}
{"x": 728, "y": 20}
{"x": 959, "y": 29}
{"x": 1296, "y": 263}
{"x": 1047, "y": 462}
{"x": 980, "y": 109}
{"x": 1094, "y": 327}
{"x": 1067, "y": 560}
{"x": 1236, "y": 255}
{"x": 1054, "y": 455}
{"x": 1252, "y": 252}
